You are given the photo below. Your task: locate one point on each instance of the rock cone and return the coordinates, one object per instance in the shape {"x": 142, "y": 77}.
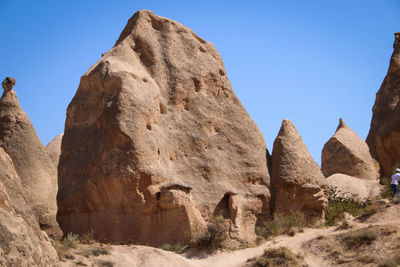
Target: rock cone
{"x": 297, "y": 182}
{"x": 348, "y": 186}
{"x": 347, "y": 153}
{"x": 38, "y": 175}
{"x": 384, "y": 135}
{"x": 22, "y": 241}
{"x": 156, "y": 142}
{"x": 53, "y": 149}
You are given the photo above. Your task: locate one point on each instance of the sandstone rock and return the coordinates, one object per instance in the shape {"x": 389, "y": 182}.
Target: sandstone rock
{"x": 348, "y": 186}
{"x": 53, "y": 149}
{"x": 38, "y": 175}
{"x": 22, "y": 241}
{"x": 157, "y": 109}
{"x": 347, "y": 153}
{"x": 297, "y": 183}
{"x": 248, "y": 211}
{"x": 384, "y": 135}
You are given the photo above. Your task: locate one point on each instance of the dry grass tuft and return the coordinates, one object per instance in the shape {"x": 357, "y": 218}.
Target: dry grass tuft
{"x": 281, "y": 256}
{"x": 289, "y": 224}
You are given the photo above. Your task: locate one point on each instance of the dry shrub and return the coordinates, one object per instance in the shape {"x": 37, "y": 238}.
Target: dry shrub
{"x": 63, "y": 246}
{"x": 174, "y": 248}
{"x": 212, "y": 237}
{"x": 360, "y": 237}
{"x": 87, "y": 238}
{"x": 391, "y": 261}
{"x": 283, "y": 224}
{"x": 281, "y": 256}
{"x": 339, "y": 204}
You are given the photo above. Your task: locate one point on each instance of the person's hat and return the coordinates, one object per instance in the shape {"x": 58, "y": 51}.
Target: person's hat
{"x": 397, "y": 170}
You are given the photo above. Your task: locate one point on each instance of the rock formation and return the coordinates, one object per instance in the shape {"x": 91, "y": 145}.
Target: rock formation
{"x": 347, "y": 153}
{"x": 22, "y": 241}
{"x": 349, "y": 185}
{"x": 297, "y": 183}
{"x": 20, "y": 141}
{"x": 53, "y": 149}
{"x": 156, "y": 142}
{"x": 384, "y": 135}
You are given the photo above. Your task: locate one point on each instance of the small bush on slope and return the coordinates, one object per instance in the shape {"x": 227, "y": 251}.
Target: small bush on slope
{"x": 282, "y": 224}
{"x": 174, "y": 248}
{"x": 360, "y": 237}
{"x": 212, "y": 237}
{"x": 386, "y": 191}
{"x": 64, "y": 245}
{"x": 391, "y": 261}
{"x": 338, "y": 204}
{"x": 369, "y": 246}
{"x": 281, "y": 256}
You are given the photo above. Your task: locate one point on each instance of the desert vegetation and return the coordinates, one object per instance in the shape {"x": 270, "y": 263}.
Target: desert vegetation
{"x": 339, "y": 204}
{"x": 281, "y": 256}
{"x": 370, "y": 246}
{"x": 212, "y": 237}
{"x": 283, "y": 224}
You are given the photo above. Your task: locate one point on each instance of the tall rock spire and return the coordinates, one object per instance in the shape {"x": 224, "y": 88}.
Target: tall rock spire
{"x": 346, "y": 153}
{"x": 297, "y": 182}
{"x": 38, "y": 175}
{"x": 384, "y": 135}
{"x": 156, "y": 142}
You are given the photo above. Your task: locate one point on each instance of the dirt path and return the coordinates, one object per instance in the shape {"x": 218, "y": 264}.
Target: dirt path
{"x": 133, "y": 255}
{"x": 239, "y": 257}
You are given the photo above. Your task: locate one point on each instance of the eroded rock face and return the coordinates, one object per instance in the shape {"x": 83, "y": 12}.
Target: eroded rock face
{"x": 38, "y": 175}
{"x": 297, "y": 183}
{"x": 348, "y": 186}
{"x": 22, "y": 241}
{"x": 156, "y": 109}
{"x": 53, "y": 149}
{"x": 384, "y": 135}
{"x": 347, "y": 153}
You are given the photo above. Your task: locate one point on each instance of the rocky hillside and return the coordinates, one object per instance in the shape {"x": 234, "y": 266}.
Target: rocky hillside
{"x": 158, "y": 151}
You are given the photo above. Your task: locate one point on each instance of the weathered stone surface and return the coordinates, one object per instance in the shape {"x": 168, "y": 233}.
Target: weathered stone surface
{"x": 384, "y": 135}
{"x": 349, "y": 185}
{"x": 248, "y": 211}
{"x": 345, "y": 152}
{"x": 157, "y": 109}
{"x": 22, "y": 243}
{"x": 53, "y": 149}
{"x": 38, "y": 175}
{"x": 297, "y": 183}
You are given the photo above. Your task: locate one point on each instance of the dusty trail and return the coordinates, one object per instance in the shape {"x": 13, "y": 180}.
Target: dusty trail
{"x": 239, "y": 257}
{"x": 134, "y": 255}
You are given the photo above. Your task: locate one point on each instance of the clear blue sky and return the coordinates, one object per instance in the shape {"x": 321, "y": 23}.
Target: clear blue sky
{"x": 310, "y": 61}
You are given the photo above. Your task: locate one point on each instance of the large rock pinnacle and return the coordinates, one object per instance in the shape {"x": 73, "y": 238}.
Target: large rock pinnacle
{"x": 297, "y": 182}
{"x": 38, "y": 175}
{"x": 156, "y": 142}
{"x": 384, "y": 135}
{"x": 346, "y": 153}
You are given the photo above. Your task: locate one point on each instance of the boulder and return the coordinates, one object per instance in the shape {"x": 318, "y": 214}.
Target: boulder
{"x": 384, "y": 135}
{"x": 53, "y": 149}
{"x": 22, "y": 241}
{"x": 155, "y": 138}
{"x": 347, "y": 153}
{"x": 348, "y": 186}
{"x": 35, "y": 168}
{"x": 297, "y": 183}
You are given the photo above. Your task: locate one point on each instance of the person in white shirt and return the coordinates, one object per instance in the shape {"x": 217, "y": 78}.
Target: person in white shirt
{"x": 395, "y": 182}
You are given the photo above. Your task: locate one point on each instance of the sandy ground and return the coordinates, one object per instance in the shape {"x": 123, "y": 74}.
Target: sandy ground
{"x": 148, "y": 256}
